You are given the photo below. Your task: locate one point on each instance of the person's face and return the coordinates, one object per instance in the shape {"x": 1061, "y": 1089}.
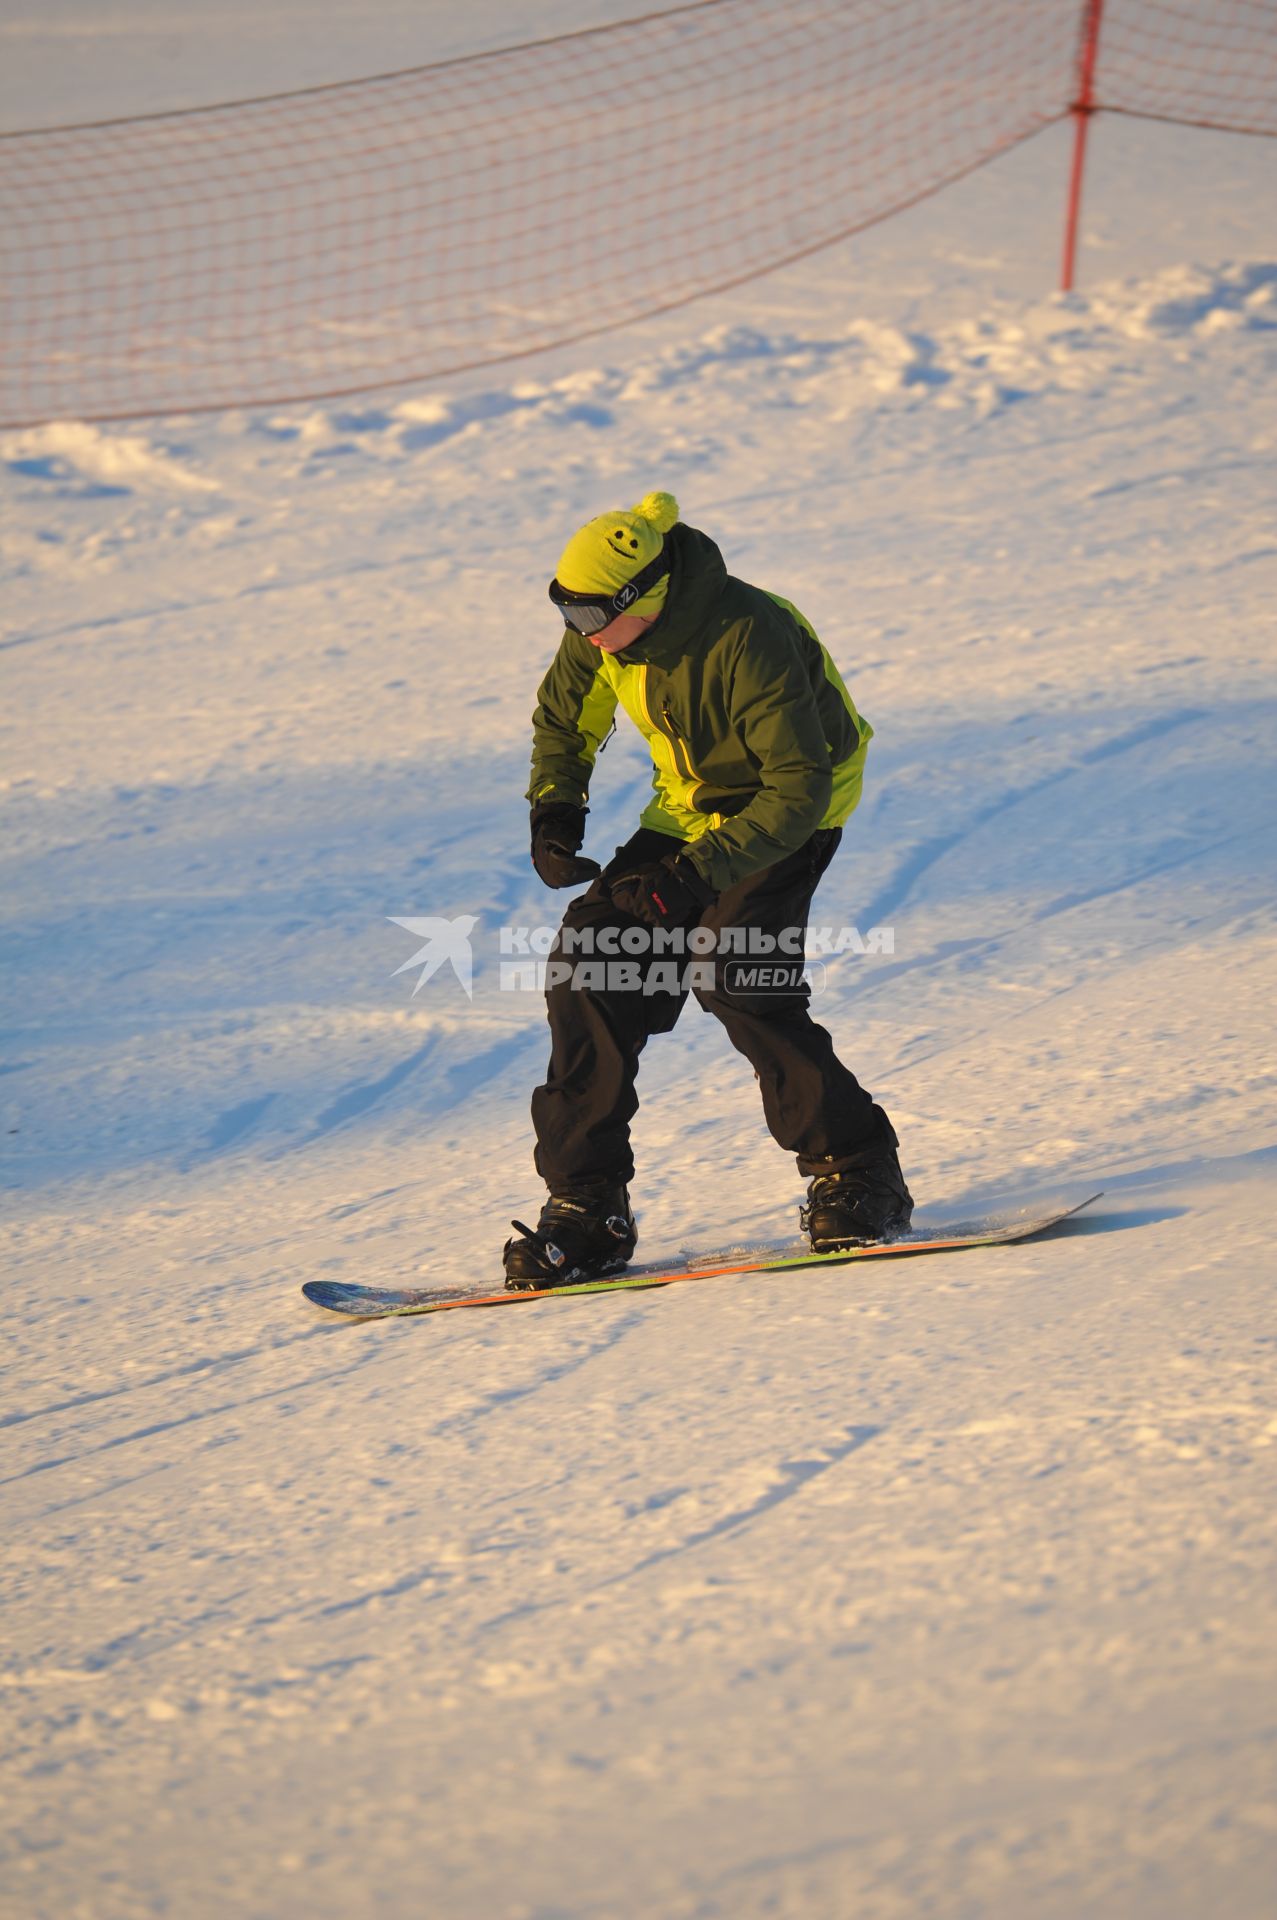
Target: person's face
{"x": 620, "y": 632}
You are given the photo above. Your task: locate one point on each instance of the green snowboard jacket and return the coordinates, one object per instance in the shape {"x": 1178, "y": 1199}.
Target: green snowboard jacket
{"x": 754, "y": 739}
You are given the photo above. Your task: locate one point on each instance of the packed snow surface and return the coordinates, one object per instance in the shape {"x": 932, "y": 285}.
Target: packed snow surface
{"x": 940, "y": 1588}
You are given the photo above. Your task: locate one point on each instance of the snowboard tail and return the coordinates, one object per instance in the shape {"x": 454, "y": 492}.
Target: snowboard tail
{"x": 386, "y": 1303}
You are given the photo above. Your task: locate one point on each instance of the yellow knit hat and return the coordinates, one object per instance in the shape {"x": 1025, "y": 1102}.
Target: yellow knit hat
{"x": 610, "y": 549}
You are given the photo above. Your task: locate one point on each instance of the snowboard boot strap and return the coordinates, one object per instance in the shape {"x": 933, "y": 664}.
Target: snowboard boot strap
{"x": 857, "y": 1206}
{"x": 539, "y": 1259}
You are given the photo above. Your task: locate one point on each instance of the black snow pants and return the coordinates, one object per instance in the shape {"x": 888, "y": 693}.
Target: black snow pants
{"x": 814, "y": 1107}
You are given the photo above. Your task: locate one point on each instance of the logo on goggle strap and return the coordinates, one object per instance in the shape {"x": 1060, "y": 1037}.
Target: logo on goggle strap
{"x": 627, "y": 594}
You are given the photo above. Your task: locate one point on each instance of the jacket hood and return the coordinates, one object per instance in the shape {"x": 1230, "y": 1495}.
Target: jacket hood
{"x": 698, "y": 577}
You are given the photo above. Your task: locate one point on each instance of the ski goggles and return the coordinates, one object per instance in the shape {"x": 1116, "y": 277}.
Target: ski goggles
{"x": 589, "y": 613}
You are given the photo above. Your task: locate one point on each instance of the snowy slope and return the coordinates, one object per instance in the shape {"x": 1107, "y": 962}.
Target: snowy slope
{"x": 947, "y": 1590}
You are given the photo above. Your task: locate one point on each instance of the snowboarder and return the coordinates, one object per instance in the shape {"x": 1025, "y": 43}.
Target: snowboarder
{"x": 758, "y": 754}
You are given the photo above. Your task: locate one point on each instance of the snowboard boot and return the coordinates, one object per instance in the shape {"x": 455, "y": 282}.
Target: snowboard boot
{"x": 583, "y": 1233}
{"x": 858, "y": 1204}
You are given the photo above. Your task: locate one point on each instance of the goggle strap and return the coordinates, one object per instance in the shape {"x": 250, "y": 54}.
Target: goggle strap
{"x": 625, "y": 595}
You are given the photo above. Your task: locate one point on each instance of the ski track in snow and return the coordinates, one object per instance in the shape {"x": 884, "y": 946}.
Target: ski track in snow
{"x": 946, "y": 1590}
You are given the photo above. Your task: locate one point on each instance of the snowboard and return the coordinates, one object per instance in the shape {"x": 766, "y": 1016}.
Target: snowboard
{"x": 385, "y": 1303}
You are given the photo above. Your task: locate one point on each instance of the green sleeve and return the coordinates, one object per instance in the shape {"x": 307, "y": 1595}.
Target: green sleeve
{"x": 575, "y": 704}
{"x": 772, "y": 706}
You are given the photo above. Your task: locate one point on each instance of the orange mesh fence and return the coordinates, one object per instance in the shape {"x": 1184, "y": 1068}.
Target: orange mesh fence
{"x": 1201, "y": 65}
{"x": 391, "y": 230}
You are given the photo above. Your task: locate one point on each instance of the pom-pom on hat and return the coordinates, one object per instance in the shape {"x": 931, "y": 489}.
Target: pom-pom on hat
{"x": 610, "y": 549}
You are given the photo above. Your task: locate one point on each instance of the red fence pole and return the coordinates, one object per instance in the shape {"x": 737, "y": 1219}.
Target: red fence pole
{"x": 1082, "y": 109}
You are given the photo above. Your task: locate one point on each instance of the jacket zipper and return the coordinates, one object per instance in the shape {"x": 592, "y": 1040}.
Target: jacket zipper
{"x": 677, "y": 745}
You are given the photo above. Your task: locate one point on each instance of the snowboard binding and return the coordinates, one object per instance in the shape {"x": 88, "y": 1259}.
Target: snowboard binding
{"x": 857, "y": 1207}
{"x": 578, "y": 1237}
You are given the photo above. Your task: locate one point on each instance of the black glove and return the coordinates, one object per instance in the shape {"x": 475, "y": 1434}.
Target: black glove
{"x": 558, "y": 829}
{"x": 671, "y": 894}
